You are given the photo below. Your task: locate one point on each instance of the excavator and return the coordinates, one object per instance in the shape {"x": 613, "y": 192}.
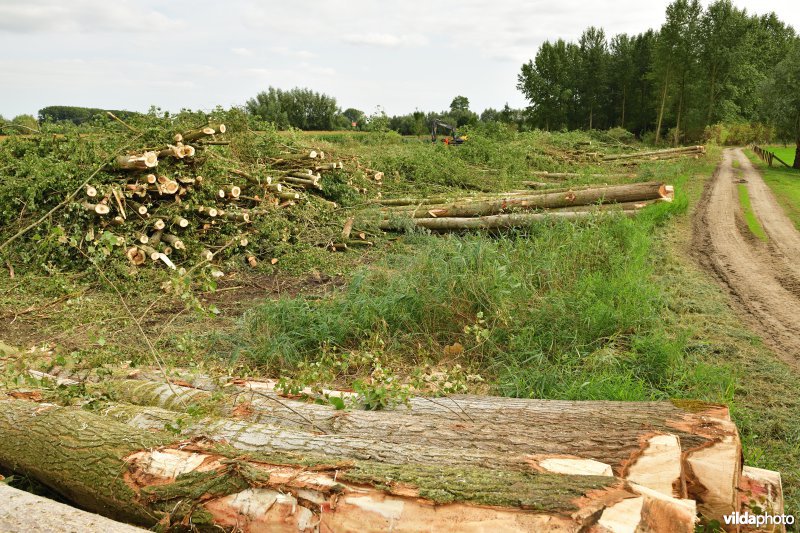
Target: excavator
{"x": 454, "y": 137}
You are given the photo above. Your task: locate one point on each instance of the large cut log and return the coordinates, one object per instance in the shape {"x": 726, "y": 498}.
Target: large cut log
{"x": 152, "y": 477}
{"x": 564, "y": 175}
{"x": 686, "y": 150}
{"x": 514, "y": 220}
{"x": 612, "y": 194}
{"x": 676, "y": 448}
{"x": 23, "y": 512}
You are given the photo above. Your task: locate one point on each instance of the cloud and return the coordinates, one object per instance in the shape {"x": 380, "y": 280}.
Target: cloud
{"x": 387, "y": 40}
{"x": 288, "y": 52}
{"x": 92, "y": 16}
{"x": 244, "y": 52}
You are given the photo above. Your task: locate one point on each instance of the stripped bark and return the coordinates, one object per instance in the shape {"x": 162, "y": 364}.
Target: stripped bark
{"x": 610, "y": 194}
{"x": 146, "y": 478}
{"x": 679, "y": 449}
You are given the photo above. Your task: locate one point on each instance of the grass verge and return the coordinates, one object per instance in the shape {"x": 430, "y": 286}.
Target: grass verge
{"x": 749, "y": 215}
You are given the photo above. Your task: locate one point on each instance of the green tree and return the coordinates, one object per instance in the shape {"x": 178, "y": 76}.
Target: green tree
{"x": 592, "y": 86}
{"x": 622, "y": 73}
{"x": 781, "y": 98}
{"x": 25, "y": 124}
{"x": 459, "y": 113}
{"x": 355, "y": 115}
{"x": 299, "y": 108}
{"x": 722, "y": 43}
{"x": 673, "y": 55}
{"x": 548, "y": 84}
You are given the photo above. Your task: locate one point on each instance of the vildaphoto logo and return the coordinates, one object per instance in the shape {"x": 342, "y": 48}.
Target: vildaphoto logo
{"x": 749, "y": 519}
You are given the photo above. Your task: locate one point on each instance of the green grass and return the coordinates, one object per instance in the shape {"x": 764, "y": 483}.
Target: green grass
{"x": 786, "y": 153}
{"x": 611, "y": 309}
{"x": 785, "y": 185}
{"x": 749, "y": 215}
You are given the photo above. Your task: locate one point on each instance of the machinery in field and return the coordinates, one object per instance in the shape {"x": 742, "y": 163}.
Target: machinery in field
{"x": 454, "y": 137}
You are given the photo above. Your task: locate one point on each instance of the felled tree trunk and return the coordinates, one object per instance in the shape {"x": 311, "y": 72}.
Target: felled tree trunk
{"x": 23, "y": 512}
{"x": 678, "y": 449}
{"x": 147, "y": 478}
{"x": 596, "y": 195}
{"x": 656, "y": 153}
{"x": 514, "y": 220}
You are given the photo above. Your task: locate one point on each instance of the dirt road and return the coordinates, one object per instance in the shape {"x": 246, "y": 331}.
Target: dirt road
{"x": 762, "y": 277}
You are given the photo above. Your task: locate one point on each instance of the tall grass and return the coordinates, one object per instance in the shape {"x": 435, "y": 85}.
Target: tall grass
{"x": 566, "y": 310}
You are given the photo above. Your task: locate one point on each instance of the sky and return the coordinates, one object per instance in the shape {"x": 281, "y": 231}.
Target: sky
{"x": 402, "y": 56}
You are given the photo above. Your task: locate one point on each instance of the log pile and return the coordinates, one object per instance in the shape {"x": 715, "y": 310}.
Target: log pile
{"x": 654, "y": 155}
{"x": 258, "y": 461}
{"x": 160, "y": 210}
{"x": 519, "y": 208}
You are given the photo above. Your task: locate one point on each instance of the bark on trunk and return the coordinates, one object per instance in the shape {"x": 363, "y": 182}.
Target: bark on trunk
{"x": 683, "y": 150}
{"x": 677, "y": 448}
{"x": 661, "y": 108}
{"x": 547, "y": 200}
{"x": 149, "y": 478}
{"x": 796, "y": 163}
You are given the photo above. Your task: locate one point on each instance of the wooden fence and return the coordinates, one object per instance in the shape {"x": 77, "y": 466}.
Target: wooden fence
{"x": 768, "y": 156}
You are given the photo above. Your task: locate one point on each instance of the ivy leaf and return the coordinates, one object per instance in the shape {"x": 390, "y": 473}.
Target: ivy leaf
{"x": 337, "y": 402}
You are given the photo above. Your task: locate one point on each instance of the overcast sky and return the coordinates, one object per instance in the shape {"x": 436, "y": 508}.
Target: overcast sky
{"x": 131, "y": 54}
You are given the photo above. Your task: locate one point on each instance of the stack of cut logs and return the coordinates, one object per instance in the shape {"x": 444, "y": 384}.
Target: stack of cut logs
{"x": 253, "y": 460}
{"x": 671, "y": 153}
{"x": 163, "y": 214}
{"x": 518, "y": 208}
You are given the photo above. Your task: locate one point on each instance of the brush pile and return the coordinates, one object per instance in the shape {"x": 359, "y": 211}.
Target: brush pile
{"x": 519, "y": 208}
{"x": 176, "y": 204}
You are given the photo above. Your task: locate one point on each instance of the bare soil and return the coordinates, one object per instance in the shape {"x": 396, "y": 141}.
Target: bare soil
{"x": 763, "y": 278}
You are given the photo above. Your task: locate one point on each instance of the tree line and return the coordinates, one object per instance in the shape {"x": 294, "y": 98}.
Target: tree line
{"x": 701, "y": 67}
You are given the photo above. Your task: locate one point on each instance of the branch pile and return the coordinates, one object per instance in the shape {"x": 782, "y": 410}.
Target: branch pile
{"x": 255, "y": 460}
{"x": 177, "y": 204}
{"x": 519, "y": 208}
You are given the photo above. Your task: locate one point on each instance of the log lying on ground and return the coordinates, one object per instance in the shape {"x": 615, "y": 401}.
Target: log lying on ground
{"x": 677, "y": 448}
{"x": 687, "y": 150}
{"x": 150, "y": 477}
{"x": 612, "y": 194}
{"x": 564, "y": 175}
{"x": 514, "y": 220}
{"x": 23, "y": 512}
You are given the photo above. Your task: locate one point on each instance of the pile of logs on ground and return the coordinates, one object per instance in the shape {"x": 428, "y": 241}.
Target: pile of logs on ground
{"x": 251, "y": 460}
{"x": 653, "y": 155}
{"x": 518, "y": 208}
{"x": 160, "y": 210}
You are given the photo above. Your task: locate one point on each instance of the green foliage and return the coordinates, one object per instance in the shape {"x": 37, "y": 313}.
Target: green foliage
{"x": 576, "y": 321}
{"x": 41, "y": 171}
{"x": 297, "y": 108}
{"x": 781, "y": 95}
{"x": 78, "y": 115}
{"x": 25, "y": 124}
{"x": 702, "y": 67}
